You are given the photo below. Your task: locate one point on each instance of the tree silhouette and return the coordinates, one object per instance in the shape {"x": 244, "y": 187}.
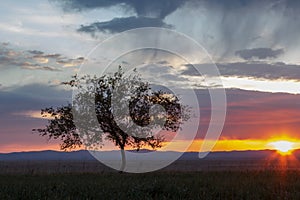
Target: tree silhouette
{"x": 124, "y": 110}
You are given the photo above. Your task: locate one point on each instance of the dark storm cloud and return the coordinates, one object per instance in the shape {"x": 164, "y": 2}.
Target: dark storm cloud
{"x": 261, "y": 115}
{"x": 31, "y": 97}
{"x": 149, "y": 14}
{"x": 154, "y": 8}
{"x": 251, "y": 114}
{"x": 241, "y": 24}
{"x": 122, "y": 24}
{"x": 260, "y": 53}
{"x": 231, "y": 25}
{"x": 257, "y": 70}
{"x": 16, "y": 105}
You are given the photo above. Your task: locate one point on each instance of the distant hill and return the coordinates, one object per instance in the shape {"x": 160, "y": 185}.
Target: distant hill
{"x": 46, "y": 155}
{"x": 85, "y": 155}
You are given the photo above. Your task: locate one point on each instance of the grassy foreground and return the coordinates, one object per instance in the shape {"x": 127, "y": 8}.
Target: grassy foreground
{"x": 159, "y": 185}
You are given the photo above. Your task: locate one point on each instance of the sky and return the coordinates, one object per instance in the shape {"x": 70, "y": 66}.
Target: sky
{"x": 254, "y": 44}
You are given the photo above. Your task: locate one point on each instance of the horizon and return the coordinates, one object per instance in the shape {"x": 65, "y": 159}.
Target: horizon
{"x": 133, "y": 150}
{"x": 194, "y": 147}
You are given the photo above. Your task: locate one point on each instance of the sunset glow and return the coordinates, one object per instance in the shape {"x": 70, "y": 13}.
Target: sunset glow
{"x": 283, "y": 147}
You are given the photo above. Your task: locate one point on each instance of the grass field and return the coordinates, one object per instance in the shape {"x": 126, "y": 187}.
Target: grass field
{"x": 158, "y": 185}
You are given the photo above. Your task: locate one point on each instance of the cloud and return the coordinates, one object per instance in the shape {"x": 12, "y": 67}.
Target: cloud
{"x": 6, "y": 53}
{"x": 163, "y": 62}
{"x": 68, "y": 62}
{"x": 31, "y": 66}
{"x": 28, "y": 98}
{"x": 250, "y": 114}
{"x": 261, "y": 115}
{"x": 20, "y": 108}
{"x": 41, "y": 57}
{"x": 122, "y": 24}
{"x": 148, "y": 14}
{"x": 35, "y": 59}
{"x": 36, "y": 52}
{"x": 256, "y": 70}
{"x": 223, "y": 27}
{"x": 155, "y": 8}
{"x": 253, "y": 114}
{"x": 17, "y": 103}
{"x": 246, "y": 111}
{"x": 5, "y": 43}
{"x": 260, "y": 53}
{"x": 33, "y": 114}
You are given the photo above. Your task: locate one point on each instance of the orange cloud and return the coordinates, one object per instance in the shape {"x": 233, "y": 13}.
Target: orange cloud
{"x": 33, "y": 114}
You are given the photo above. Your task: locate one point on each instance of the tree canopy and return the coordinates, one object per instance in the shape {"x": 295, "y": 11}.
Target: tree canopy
{"x": 122, "y": 109}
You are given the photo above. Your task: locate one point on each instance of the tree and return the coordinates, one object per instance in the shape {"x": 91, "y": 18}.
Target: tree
{"x": 127, "y": 111}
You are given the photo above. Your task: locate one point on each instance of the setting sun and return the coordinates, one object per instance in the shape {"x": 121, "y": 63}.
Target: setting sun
{"x": 283, "y": 147}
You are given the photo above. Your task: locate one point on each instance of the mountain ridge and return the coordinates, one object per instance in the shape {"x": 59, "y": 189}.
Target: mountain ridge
{"x": 86, "y": 155}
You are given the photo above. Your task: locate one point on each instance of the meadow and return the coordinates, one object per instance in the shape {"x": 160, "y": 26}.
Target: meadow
{"x": 243, "y": 184}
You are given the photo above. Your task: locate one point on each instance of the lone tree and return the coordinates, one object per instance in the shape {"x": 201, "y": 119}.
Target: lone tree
{"x": 124, "y": 110}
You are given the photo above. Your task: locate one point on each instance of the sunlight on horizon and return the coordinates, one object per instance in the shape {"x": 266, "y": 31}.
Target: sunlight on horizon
{"x": 283, "y": 147}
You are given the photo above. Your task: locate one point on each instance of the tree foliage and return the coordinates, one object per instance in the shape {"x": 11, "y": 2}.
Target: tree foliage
{"x": 115, "y": 107}
{"x": 60, "y": 126}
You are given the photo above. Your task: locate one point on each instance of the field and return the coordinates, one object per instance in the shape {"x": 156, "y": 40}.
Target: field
{"x": 159, "y": 185}
{"x": 181, "y": 180}
{"x": 184, "y": 179}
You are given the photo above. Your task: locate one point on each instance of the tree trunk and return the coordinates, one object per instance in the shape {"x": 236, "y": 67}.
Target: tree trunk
{"x": 123, "y": 160}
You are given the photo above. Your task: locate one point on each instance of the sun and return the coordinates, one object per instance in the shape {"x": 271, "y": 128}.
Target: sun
{"x": 283, "y": 147}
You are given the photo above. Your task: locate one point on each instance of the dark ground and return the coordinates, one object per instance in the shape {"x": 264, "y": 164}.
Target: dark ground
{"x": 159, "y": 185}
{"x": 184, "y": 179}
